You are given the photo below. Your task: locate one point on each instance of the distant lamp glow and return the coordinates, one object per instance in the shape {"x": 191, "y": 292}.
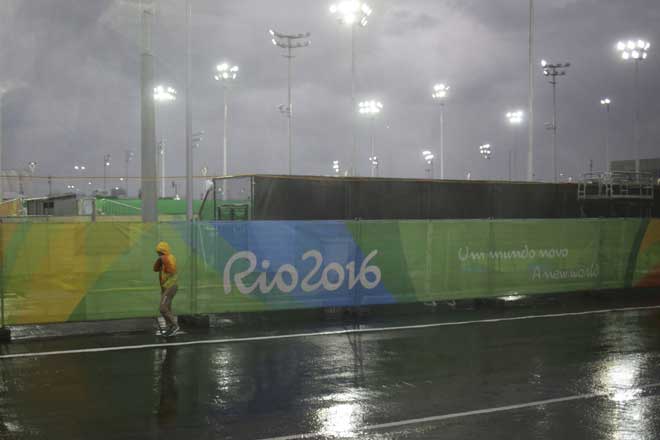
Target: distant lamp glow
{"x": 515, "y": 117}
{"x": 164, "y": 93}
{"x": 544, "y": 63}
{"x": 335, "y": 166}
{"x": 485, "y": 151}
{"x": 605, "y": 101}
{"x": 351, "y": 12}
{"x": 633, "y": 50}
{"x": 370, "y": 108}
{"x": 226, "y": 72}
{"x": 440, "y": 91}
{"x": 429, "y": 159}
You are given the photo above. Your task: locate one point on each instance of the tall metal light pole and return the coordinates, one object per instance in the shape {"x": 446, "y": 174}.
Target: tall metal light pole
{"x": 552, "y": 71}
{"x": 190, "y": 191}
{"x": 635, "y": 51}
{"x": 514, "y": 118}
{"x": 148, "y": 122}
{"x": 530, "y": 109}
{"x": 197, "y": 138}
{"x": 161, "y": 158}
{"x": 335, "y": 167}
{"x": 440, "y": 92}
{"x": 354, "y": 14}
{"x": 128, "y": 156}
{"x": 289, "y": 42}
{"x": 80, "y": 170}
{"x": 371, "y": 109}
{"x": 428, "y": 158}
{"x": 226, "y": 74}
{"x": 106, "y": 164}
{"x": 485, "y": 151}
{"x": 2, "y": 189}
{"x": 163, "y": 94}
{"x": 606, "y": 102}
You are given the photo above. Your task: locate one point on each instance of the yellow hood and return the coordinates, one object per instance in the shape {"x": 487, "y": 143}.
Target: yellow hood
{"x": 163, "y": 248}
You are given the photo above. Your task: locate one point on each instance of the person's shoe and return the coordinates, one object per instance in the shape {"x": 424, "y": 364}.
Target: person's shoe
{"x": 172, "y": 330}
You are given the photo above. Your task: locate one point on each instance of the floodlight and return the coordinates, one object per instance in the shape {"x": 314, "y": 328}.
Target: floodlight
{"x": 351, "y": 12}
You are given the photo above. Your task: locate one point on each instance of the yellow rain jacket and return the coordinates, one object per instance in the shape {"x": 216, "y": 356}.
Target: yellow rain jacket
{"x": 165, "y": 265}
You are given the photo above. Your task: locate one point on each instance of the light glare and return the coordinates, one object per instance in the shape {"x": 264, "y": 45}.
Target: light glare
{"x": 515, "y": 117}
{"x": 351, "y": 12}
{"x": 370, "y": 107}
{"x": 164, "y": 94}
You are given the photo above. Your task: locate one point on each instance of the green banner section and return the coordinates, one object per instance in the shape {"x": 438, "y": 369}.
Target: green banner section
{"x": 430, "y": 260}
{"x": 90, "y": 271}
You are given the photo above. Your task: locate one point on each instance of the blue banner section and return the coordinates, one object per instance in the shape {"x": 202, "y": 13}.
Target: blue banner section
{"x": 298, "y": 265}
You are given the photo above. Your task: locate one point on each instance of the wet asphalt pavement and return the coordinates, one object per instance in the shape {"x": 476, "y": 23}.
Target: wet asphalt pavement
{"x": 494, "y": 380}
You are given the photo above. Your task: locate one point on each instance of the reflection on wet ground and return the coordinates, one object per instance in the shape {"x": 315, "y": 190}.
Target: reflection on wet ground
{"x": 481, "y": 380}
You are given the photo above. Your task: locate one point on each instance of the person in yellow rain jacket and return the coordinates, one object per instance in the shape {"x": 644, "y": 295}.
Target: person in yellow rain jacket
{"x": 165, "y": 265}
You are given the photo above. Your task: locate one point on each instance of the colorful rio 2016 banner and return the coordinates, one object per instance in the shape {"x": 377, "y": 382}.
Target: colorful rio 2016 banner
{"x": 90, "y": 271}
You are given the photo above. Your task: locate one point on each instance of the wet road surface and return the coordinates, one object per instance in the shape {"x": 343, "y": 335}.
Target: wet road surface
{"x": 593, "y": 375}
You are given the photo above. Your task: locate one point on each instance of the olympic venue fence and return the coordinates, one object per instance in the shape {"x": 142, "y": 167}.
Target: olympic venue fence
{"x": 69, "y": 272}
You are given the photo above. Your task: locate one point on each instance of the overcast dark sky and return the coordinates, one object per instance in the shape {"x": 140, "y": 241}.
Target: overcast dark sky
{"x": 74, "y": 71}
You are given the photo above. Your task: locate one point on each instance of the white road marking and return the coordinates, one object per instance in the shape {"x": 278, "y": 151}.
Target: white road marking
{"x": 324, "y": 333}
{"x": 477, "y": 412}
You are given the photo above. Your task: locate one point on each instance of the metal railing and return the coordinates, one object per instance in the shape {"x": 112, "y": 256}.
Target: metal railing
{"x": 616, "y": 185}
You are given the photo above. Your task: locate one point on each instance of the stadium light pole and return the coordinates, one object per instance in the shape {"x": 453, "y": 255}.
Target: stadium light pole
{"x": 428, "y": 158}
{"x": 106, "y": 164}
{"x": 335, "y": 167}
{"x": 530, "y": 96}
{"x": 371, "y": 109}
{"x": 3, "y": 90}
{"x": 514, "y": 118}
{"x": 289, "y": 42}
{"x": 226, "y": 74}
{"x": 485, "y": 151}
{"x": 606, "y": 103}
{"x": 163, "y": 94}
{"x": 552, "y": 71}
{"x": 148, "y": 183}
{"x": 440, "y": 92}
{"x": 353, "y": 14}
{"x": 161, "y": 158}
{"x": 635, "y": 51}
{"x": 128, "y": 157}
